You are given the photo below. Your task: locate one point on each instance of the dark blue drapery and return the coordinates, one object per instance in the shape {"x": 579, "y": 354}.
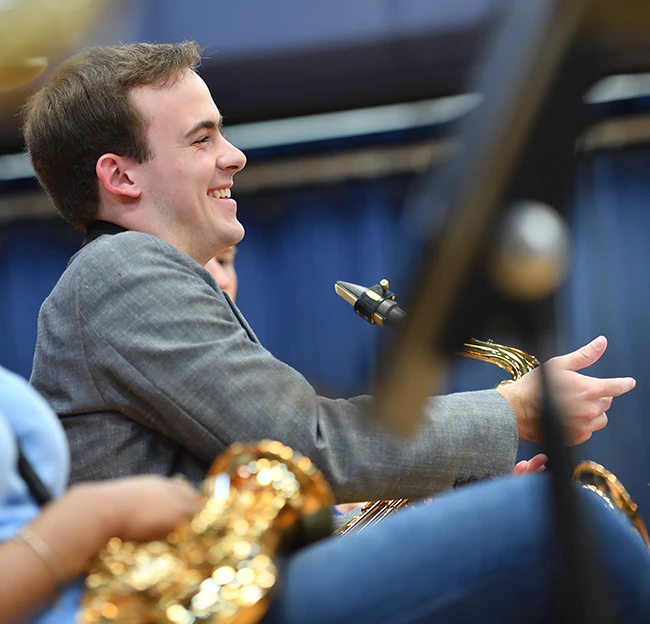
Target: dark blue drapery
{"x": 33, "y": 254}
{"x": 609, "y": 293}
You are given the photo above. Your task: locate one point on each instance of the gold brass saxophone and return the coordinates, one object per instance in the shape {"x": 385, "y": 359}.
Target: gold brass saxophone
{"x": 257, "y": 500}
{"x": 377, "y": 305}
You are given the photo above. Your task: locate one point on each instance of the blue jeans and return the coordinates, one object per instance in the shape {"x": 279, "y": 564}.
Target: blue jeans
{"x": 485, "y": 553}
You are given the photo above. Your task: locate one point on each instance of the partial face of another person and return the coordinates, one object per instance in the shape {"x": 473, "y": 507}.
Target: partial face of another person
{"x": 186, "y": 184}
{"x": 222, "y": 268}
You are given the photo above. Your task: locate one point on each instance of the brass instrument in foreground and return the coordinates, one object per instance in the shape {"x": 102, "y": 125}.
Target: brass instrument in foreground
{"x": 377, "y": 306}
{"x": 257, "y": 500}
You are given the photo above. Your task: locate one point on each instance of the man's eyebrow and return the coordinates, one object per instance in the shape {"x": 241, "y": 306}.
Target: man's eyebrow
{"x": 206, "y": 124}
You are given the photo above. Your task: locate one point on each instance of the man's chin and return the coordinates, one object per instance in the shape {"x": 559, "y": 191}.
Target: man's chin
{"x": 242, "y": 233}
{"x": 227, "y": 239}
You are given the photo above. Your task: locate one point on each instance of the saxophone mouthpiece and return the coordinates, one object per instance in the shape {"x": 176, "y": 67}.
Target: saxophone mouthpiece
{"x": 376, "y": 305}
{"x": 348, "y": 291}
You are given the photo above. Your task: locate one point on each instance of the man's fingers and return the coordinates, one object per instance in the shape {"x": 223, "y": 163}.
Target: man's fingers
{"x": 530, "y": 466}
{"x": 605, "y": 403}
{"x": 585, "y": 356}
{"x": 594, "y": 387}
{"x": 599, "y": 422}
{"x": 616, "y": 386}
{"x": 537, "y": 463}
{"x": 521, "y": 467}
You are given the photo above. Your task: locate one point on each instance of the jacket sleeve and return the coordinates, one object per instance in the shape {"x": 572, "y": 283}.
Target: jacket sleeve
{"x": 165, "y": 348}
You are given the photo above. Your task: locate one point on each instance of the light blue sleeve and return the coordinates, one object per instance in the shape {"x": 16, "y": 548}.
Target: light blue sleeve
{"x": 26, "y": 417}
{"x": 8, "y": 456}
{"x": 36, "y": 428}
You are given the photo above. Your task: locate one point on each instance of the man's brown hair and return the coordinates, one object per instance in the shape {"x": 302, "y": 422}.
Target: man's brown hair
{"x": 84, "y": 110}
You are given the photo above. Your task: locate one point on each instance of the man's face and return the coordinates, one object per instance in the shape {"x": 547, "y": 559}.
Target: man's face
{"x": 186, "y": 184}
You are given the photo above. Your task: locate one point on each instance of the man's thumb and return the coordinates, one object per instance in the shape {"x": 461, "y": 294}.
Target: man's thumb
{"x": 587, "y": 355}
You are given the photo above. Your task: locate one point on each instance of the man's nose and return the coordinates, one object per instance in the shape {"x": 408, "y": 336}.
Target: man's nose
{"x": 231, "y": 158}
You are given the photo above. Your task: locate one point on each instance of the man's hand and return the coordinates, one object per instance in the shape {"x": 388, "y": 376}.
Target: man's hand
{"x": 138, "y": 508}
{"x": 141, "y": 508}
{"x": 531, "y": 466}
{"x": 148, "y": 507}
{"x": 581, "y": 400}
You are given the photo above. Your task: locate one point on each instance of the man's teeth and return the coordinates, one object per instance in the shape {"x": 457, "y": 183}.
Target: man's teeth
{"x": 219, "y": 193}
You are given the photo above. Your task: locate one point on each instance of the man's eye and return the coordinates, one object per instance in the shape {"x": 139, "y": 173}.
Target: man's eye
{"x": 204, "y": 139}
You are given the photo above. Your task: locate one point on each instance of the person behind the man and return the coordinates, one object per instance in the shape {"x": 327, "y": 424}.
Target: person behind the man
{"x": 222, "y": 268}
{"x": 44, "y": 553}
{"x": 152, "y": 369}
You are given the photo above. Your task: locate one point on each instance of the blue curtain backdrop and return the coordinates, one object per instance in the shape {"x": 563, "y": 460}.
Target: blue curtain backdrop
{"x": 299, "y": 243}
{"x": 289, "y": 264}
{"x": 33, "y": 254}
{"x": 609, "y": 293}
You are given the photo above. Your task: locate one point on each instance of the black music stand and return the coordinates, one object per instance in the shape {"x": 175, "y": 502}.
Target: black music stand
{"x": 519, "y": 145}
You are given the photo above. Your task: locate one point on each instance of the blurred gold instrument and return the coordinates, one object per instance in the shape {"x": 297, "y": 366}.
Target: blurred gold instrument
{"x": 377, "y": 305}
{"x": 33, "y": 32}
{"x": 258, "y": 500}
{"x": 598, "y": 479}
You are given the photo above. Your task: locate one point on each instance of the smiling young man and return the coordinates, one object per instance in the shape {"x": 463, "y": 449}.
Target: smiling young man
{"x": 153, "y": 370}
{"x": 181, "y": 193}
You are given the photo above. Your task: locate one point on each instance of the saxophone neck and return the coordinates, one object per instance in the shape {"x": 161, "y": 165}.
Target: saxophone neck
{"x": 377, "y": 305}
{"x": 515, "y": 361}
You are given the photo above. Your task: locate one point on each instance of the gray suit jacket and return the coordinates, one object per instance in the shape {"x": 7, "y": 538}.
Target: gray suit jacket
{"x": 152, "y": 369}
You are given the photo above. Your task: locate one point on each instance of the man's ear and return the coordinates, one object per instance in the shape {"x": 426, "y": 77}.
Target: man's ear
{"x": 116, "y": 176}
